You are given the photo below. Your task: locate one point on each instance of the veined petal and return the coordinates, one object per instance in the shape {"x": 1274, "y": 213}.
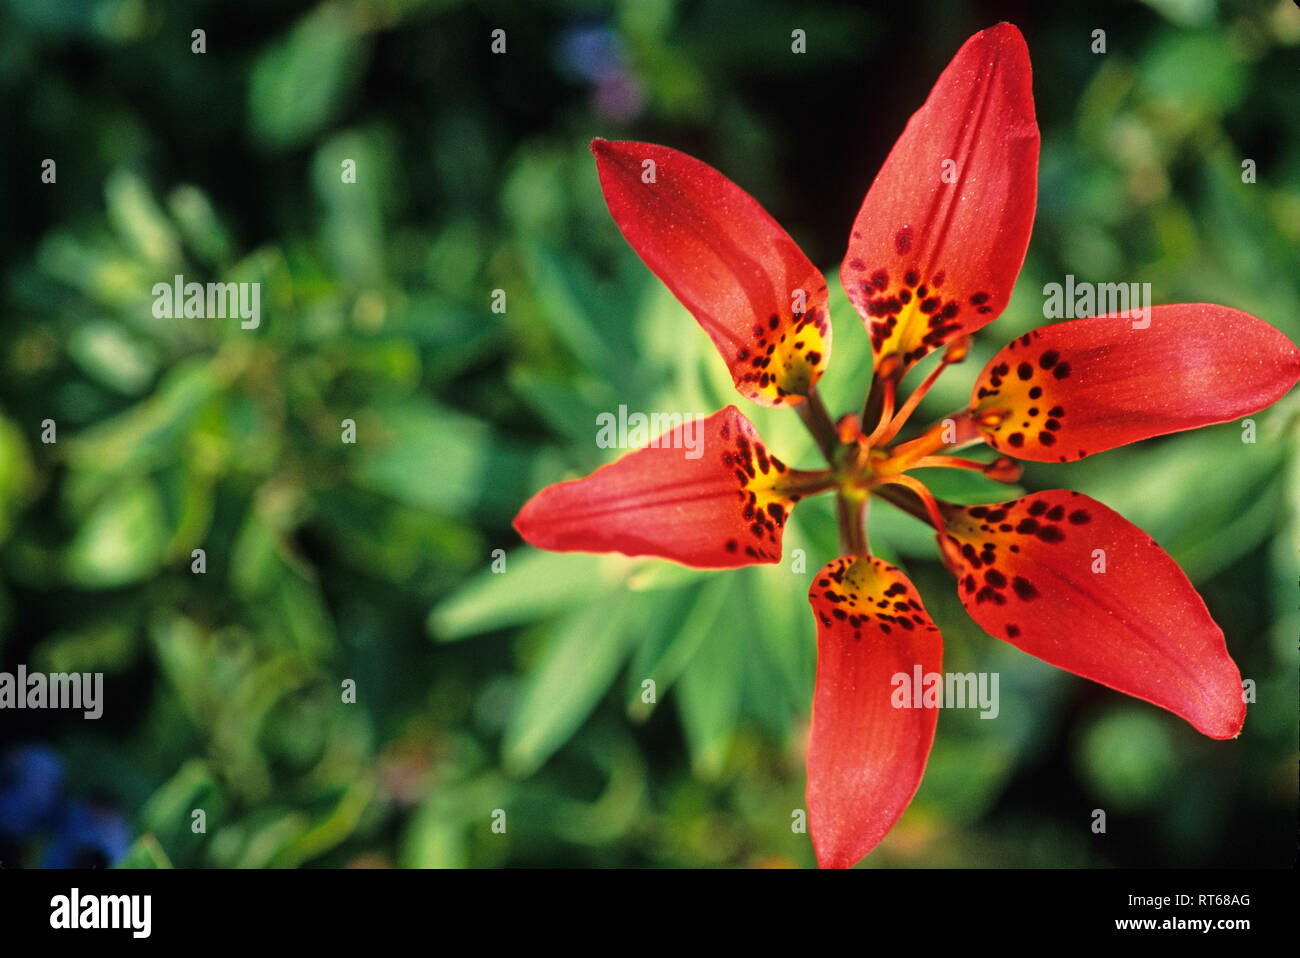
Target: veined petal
{"x": 868, "y": 747}
{"x": 740, "y": 274}
{"x": 1062, "y": 392}
{"x": 706, "y": 494}
{"x": 1066, "y": 579}
{"x": 943, "y": 230}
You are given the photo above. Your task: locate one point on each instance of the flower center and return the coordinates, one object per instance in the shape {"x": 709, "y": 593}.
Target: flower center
{"x": 872, "y": 463}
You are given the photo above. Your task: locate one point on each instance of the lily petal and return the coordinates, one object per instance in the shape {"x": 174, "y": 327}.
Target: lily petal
{"x": 709, "y": 497}
{"x": 740, "y": 274}
{"x": 1062, "y": 392}
{"x": 942, "y": 233}
{"x": 866, "y": 756}
{"x": 1066, "y": 579}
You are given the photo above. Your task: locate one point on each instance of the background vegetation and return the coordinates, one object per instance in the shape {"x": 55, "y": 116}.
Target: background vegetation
{"x": 370, "y": 562}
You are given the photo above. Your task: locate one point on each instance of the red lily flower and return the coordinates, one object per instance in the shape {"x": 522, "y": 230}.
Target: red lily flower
{"x": 933, "y": 256}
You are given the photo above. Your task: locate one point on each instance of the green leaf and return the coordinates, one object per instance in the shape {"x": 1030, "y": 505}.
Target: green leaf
{"x": 122, "y": 541}
{"x": 108, "y": 355}
{"x": 535, "y": 585}
{"x": 576, "y": 668}
{"x": 152, "y": 432}
{"x": 664, "y": 660}
{"x": 1206, "y": 497}
{"x": 145, "y": 852}
{"x": 434, "y": 458}
{"x": 296, "y": 87}
{"x": 139, "y": 220}
{"x": 709, "y": 690}
{"x": 199, "y": 224}
{"x": 787, "y": 632}
{"x": 17, "y": 475}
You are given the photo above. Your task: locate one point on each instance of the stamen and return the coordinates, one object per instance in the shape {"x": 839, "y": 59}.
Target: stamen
{"x": 949, "y": 551}
{"x": 955, "y": 353}
{"x": 1002, "y": 469}
{"x": 888, "y": 374}
{"x": 954, "y": 432}
{"x": 849, "y": 428}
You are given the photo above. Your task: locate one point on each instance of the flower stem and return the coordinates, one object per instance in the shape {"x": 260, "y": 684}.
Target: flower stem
{"x": 805, "y": 482}
{"x": 905, "y": 499}
{"x": 851, "y": 510}
{"x": 814, "y": 415}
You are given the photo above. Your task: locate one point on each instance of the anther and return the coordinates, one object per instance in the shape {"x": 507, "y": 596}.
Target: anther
{"x": 849, "y": 428}
{"x": 957, "y": 350}
{"x": 1004, "y": 469}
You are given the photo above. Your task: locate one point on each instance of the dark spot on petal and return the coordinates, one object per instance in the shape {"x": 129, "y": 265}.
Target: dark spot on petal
{"x": 1024, "y": 588}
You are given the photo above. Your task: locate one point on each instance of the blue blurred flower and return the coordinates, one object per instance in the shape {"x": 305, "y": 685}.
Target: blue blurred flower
{"x": 593, "y": 53}
{"x": 31, "y": 784}
{"x": 87, "y": 836}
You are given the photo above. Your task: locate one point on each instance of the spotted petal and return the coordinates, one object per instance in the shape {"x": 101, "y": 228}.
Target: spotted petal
{"x": 868, "y": 747}
{"x": 1062, "y": 392}
{"x": 739, "y": 273}
{"x": 706, "y": 494}
{"x": 1066, "y": 579}
{"x": 943, "y": 230}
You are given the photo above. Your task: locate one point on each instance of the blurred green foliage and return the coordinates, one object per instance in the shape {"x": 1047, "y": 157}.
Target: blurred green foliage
{"x": 522, "y": 691}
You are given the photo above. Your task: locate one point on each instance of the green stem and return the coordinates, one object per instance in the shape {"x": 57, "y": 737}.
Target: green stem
{"x": 805, "y": 482}
{"x": 818, "y": 421}
{"x": 872, "y": 407}
{"x": 906, "y": 500}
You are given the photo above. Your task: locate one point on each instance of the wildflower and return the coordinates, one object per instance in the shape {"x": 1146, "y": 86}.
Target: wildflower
{"x": 933, "y": 256}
